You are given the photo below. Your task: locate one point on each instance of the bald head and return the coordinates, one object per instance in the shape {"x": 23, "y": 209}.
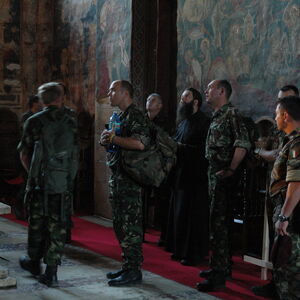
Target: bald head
{"x": 153, "y": 105}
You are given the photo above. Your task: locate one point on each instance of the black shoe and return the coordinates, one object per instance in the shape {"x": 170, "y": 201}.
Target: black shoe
{"x": 128, "y": 277}
{"x": 113, "y": 275}
{"x": 175, "y": 257}
{"x": 210, "y": 285}
{"x": 161, "y": 243}
{"x": 209, "y": 273}
{"x": 33, "y": 266}
{"x": 214, "y": 282}
{"x": 267, "y": 290}
{"x": 187, "y": 262}
{"x": 49, "y": 277}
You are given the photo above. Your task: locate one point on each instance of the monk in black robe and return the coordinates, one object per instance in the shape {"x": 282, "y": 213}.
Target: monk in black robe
{"x": 187, "y": 232}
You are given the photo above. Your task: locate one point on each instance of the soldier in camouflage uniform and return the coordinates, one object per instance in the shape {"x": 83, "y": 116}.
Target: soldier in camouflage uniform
{"x": 278, "y": 138}
{"x": 226, "y": 145}
{"x": 285, "y": 194}
{"x": 277, "y": 135}
{"x": 125, "y": 193}
{"x": 48, "y": 208}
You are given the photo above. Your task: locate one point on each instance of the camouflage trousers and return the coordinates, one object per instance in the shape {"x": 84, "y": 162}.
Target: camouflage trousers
{"x": 221, "y": 194}
{"x": 46, "y": 229}
{"x": 127, "y": 209}
{"x": 287, "y": 278}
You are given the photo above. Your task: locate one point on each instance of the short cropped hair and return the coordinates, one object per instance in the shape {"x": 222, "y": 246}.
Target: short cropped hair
{"x": 126, "y": 85}
{"x": 33, "y": 99}
{"x": 291, "y": 105}
{"x": 290, "y": 87}
{"x": 158, "y": 96}
{"x": 226, "y": 85}
{"x": 196, "y": 95}
{"x": 50, "y": 92}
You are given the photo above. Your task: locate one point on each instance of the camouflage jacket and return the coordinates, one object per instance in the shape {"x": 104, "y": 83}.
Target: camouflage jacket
{"x": 226, "y": 132}
{"x": 287, "y": 165}
{"x": 287, "y": 169}
{"x": 32, "y": 136}
{"x": 133, "y": 124}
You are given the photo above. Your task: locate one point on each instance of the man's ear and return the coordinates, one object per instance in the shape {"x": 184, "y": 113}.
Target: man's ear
{"x": 286, "y": 116}
{"x": 196, "y": 103}
{"x": 222, "y": 90}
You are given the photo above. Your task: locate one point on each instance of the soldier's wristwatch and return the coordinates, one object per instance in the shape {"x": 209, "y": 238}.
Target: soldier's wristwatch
{"x": 282, "y": 218}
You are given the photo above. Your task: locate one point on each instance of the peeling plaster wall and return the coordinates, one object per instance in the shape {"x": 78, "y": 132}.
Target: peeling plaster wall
{"x": 254, "y": 44}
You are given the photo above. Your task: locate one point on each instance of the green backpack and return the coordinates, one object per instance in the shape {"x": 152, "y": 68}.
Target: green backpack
{"x": 54, "y": 161}
{"x": 151, "y": 166}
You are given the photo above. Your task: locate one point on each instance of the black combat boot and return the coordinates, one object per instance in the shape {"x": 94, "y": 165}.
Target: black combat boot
{"x": 113, "y": 275}
{"x": 126, "y": 278}
{"x": 33, "y": 266}
{"x": 268, "y": 290}
{"x": 209, "y": 273}
{"x": 214, "y": 282}
{"x": 49, "y": 277}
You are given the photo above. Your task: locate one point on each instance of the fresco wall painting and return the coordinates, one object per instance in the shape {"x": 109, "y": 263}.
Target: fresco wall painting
{"x": 255, "y": 44}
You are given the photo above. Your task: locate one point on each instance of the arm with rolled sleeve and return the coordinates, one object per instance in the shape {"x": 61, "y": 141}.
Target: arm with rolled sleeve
{"x": 293, "y": 191}
{"x": 241, "y": 144}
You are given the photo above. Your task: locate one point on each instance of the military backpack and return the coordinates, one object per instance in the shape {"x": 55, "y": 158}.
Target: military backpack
{"x": 54, "y": 161}
{"x": 151, "y": 166}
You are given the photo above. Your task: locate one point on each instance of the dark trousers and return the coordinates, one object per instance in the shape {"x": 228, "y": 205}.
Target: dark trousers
{"x": 46, "y": 229}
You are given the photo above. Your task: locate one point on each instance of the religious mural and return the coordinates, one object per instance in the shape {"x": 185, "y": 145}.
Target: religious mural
{"x": 10, "y": 85}
{"x": 254, "y": 44}
{"x": 92, "y": 47}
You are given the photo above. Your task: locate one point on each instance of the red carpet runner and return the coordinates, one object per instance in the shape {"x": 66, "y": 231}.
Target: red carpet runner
{"x": 102, "y": 240}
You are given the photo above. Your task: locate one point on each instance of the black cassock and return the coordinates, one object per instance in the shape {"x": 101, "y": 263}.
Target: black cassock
{"x": 187, "y": 230}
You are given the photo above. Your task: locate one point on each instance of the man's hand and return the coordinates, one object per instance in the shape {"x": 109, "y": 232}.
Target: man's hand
{"x": 281, "y": 227}
{"x": 222, "y": 174}
{"x": 106, "y": 137}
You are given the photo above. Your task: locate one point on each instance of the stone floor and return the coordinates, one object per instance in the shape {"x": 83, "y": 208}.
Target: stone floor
{"x": 81, "y": 276}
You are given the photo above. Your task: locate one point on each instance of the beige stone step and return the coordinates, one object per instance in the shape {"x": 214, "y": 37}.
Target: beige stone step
{"x": 8, "y": 282}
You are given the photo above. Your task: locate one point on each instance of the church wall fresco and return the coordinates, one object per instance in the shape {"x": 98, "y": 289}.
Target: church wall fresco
{"x": 254, "y": 44}
{"x": 91, "y": 47}
{"x": 10, "y": 69}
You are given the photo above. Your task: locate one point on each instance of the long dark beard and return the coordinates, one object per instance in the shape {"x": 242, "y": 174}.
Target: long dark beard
{"x": 184, "y": 111}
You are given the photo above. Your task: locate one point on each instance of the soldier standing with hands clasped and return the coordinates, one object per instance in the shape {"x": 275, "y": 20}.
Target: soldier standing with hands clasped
{"x": 125, "y": 193}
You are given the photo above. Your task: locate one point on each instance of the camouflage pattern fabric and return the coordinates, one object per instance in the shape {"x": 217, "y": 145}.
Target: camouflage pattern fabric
{"x": 287, "y": 278}
{"x": 126, "y": 194}
{"x": 287, "y": 169}
{"x": 48, "y": 213}
{"x": 221, "y": 194}
{"x": 46, "y": 235}
{"x": 126, "y": 202}
{"x": 227, "y": 131}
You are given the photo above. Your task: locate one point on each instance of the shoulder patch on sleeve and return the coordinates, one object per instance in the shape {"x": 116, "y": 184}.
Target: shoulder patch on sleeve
{"x": 295, "y": 150}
